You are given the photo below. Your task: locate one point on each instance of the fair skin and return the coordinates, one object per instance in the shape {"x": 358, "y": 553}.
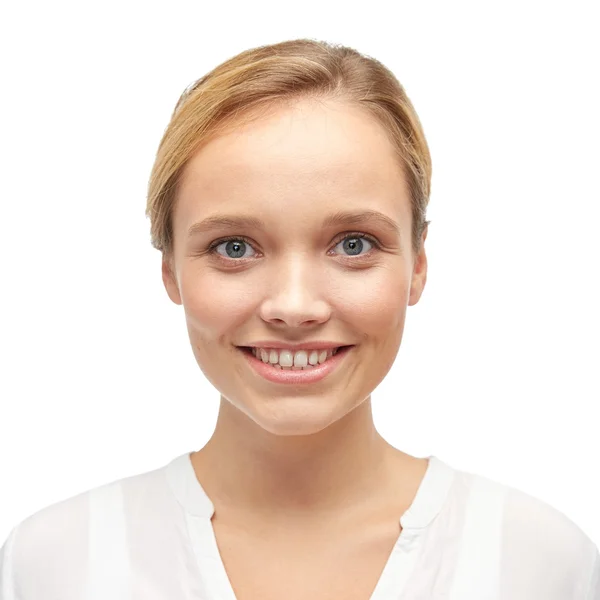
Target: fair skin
{"x": 300, "y": 459}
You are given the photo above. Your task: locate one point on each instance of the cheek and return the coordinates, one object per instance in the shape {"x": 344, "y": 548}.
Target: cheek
{"x": 214, "y": 302}
{"x": 375, "y": 302}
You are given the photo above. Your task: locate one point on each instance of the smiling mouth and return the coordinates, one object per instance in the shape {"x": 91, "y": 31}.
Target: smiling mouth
{"x": 296, "y": 370}
{"x": 288, "y": 360}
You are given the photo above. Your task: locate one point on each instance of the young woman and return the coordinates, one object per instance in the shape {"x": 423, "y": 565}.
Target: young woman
{"x": 288, "y": 199}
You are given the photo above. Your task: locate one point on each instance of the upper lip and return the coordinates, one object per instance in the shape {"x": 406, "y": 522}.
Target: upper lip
{"x": 316, "y": 345}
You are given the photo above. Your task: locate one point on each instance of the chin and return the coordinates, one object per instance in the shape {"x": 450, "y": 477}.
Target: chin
{"x": 296, "y": 416}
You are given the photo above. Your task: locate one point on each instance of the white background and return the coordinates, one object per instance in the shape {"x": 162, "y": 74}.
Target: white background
{"x": 499, "y": 365}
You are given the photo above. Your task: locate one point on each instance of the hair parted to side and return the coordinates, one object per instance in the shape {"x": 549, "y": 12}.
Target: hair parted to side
{"x": 272, "y": 75}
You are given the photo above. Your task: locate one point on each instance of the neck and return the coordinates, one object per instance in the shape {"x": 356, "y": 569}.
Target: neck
{"x": 245, "y": 468}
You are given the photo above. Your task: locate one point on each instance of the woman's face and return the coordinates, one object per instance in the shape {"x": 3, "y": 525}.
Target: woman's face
{"x": 291, "y": 276}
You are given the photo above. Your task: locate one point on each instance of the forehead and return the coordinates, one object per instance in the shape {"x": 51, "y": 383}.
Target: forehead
{"x": 316, "y": 152}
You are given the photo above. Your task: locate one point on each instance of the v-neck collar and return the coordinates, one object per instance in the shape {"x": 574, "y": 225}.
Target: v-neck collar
{"x": 199, "y": 509}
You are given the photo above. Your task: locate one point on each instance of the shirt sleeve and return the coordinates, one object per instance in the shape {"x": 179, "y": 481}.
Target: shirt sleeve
{"x": 546, "y": 554}
{"x": 45, "y": 555}
{"x": 7, "y": 589}
{"x": 594, "y": 586}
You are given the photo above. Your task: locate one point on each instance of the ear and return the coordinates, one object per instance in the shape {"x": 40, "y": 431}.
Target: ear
{"x": 169, "y": 280}
{"x": 419, "y": 276}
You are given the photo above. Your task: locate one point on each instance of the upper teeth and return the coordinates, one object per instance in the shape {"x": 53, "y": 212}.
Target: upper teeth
{"x": 287, "y": 358}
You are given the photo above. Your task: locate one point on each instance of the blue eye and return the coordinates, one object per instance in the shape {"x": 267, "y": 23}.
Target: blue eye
{"x": 355, "y": 242}
{"x": 235, "y": 247}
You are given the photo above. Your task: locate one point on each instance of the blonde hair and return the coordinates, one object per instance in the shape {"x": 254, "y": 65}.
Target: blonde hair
{"x": 273, "y": 74}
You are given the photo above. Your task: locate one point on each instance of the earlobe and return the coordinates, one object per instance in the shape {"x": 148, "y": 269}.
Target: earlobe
{"x": 170, "y": 281}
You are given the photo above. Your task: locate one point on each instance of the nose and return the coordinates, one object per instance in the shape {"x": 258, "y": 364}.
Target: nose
{"x": 295, "y": 296}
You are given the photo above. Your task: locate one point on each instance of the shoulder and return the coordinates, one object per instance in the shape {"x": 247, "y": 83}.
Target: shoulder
{"x": 540, "y": 547}
{"x": 548, "y": 542}
{"x": 50, "y": 547}
{"x": 534, "y": 519}
{"x": 45, "y": 548}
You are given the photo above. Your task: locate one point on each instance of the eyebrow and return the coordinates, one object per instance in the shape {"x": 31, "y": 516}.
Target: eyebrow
{"x": 340, "y": 218}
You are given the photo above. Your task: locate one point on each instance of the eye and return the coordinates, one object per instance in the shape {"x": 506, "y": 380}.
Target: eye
{"x": 234, "y": 247}
{"x": 354, "y": 243}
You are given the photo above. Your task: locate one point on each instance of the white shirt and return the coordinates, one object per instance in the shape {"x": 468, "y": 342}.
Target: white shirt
{"x": 150, "y": 537}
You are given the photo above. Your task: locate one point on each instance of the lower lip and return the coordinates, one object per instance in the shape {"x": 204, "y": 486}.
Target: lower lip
{"x": 301, "y": 376}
